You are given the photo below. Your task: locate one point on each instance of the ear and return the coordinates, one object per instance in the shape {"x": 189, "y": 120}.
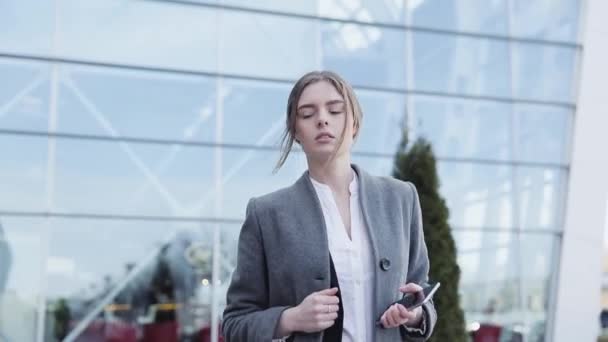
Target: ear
{"x": 355, "y": 131}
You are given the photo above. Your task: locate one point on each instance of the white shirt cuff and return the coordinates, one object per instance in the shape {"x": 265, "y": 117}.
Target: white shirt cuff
{"x": 421, "y": 329}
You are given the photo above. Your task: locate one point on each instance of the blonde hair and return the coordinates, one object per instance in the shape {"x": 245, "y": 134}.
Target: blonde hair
{"x": 342, "y": 87}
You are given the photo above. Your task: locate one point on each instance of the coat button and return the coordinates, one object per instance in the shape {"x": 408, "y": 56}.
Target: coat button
{"x": 385, "y": 264}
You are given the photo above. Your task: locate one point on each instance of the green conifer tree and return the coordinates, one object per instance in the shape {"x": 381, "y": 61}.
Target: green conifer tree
{"x": 417, "y": 165}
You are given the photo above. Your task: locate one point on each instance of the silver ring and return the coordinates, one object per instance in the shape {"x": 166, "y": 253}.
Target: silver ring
{"x": 327, "y": 308}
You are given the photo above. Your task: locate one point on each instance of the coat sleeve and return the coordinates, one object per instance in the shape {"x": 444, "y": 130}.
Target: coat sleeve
{"x": 247, "y": 316}
{"x": 418, "y": 269}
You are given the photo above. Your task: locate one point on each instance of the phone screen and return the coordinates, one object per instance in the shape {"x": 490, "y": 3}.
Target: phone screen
{"x": 413, "y": 300}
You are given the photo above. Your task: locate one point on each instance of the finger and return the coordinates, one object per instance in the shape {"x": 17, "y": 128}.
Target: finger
{"x": 403, "y": 313}
{"x": 390, "y": 317}
{"x": 410, "y": 287}
{"x": 328, "y": 317}
{"x": 324, "y": 308}
{"x": 384, "y": 318}
{"x": 329, "y": 292}
{"x": 324, "y": 299}
{"x": 397, "y": 318}
{"x": 383, "y": 321}
{"x": 326, "y": 324}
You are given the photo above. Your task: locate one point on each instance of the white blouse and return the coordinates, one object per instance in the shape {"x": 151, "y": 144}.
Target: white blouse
{"x": 353, "y": 261}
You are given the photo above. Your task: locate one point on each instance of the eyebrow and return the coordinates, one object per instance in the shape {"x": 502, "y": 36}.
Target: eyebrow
{"x": 328, "y": 103}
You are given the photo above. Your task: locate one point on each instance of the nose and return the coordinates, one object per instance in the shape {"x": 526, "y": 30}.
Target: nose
{"x": 322, "y": 122}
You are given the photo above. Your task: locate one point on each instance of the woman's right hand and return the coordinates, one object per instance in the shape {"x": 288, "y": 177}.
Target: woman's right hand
{"x": 317, "y": 312}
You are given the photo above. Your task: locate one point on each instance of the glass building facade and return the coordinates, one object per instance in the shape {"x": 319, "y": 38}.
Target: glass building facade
{"x": 133, "y": 133}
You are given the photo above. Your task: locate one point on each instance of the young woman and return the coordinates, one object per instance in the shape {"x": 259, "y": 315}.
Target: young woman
{"x": 324, "y": 259}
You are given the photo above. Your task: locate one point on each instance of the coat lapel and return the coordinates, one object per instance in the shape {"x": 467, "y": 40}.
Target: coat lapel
{"x": 314, "y": 231}
{"x": 368, "y": 198}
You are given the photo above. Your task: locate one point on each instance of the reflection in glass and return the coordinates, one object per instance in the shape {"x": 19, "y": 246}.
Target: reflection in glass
{"x": 129, "y": 32}
{"x": 552, "y": 20}
{"x": 23, "y": 175}
{"x": 375, "y": 11}
{"x": 478, "y": 195}
{"x": 489, "y": 283}
{"x": 479, "y": 16}
{"x": 459, "y": 128}
{"x": 18, "y": 34}
{"x": 539, "y": 255}
{"x": 364, "y": 55}
{"x": 543, "y": 133}
{"x": 24, "y": 95}
{"x": 254, "y": 112}
{"x": 540, "y": 195}
{"x": 543, "y": 72}
{"x": 128, "y": 178}
{"x": 155, "y": 281}
{"x": 460, "y": 65}
{"x": 248, "y": 173}
{"x": 383, "y": 120}
{"x": 275, "y": 47}
{"x": 21, "y": 272}
{"x": 114, "y": 102}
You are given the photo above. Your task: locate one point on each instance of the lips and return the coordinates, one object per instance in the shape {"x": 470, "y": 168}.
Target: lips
{"x": 324, "y": 135}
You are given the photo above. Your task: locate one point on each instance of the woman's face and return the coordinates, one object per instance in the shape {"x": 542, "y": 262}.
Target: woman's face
{"x": 320, "y": 121}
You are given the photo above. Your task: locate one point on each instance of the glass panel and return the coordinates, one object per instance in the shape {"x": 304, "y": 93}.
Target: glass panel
{"x": 543, "y": 133}
{"x": 229, "y": 246}
{"x": 384, "y": 11}
{"x": 460, "y": 65}
{"x": 459, "y": 128}
{"x": 17, "y": 32}
{"x": 129, "y": 32}
{"x": 541, "y": 193}
{"x": 305, "y": 7}
{"x": 377, "y": 166}
{"x": 490, "y": 293}
{"x": 23, "y": 176}
{"x": 125, "y": 178}
{"x": 21, "y": 276}
{"x": 24, "y": 95}
{"x": 248, "y": 173}
{"x": 553, "y": 20}
{"x": 156, "y": 281}
{"x": 254, "y": 112}
{"x": 539, "y": 255}
{"x": 470, "y": 16}
{"x": 478, "y": 195}
{"x": 111, "y": 102}
{"x": 274, "y": 46}
{"x": 348, "y": 49}
{"x": 543, "y": 72}
{"x": 382, "y": 126}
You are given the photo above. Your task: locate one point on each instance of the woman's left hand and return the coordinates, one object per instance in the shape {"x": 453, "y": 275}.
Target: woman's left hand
{"x": 397, "y": 314}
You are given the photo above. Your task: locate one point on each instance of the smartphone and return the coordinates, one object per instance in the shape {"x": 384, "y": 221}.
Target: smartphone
{"x": 416, "y": 299}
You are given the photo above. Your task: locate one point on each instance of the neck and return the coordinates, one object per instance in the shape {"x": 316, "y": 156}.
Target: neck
{"x": 337, "y": 173}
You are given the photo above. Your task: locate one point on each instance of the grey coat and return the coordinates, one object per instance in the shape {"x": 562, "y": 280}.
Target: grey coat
{"x": 283, "y": 256}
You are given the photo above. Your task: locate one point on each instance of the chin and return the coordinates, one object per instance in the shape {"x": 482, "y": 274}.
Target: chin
{"x": 321, "y": 153}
